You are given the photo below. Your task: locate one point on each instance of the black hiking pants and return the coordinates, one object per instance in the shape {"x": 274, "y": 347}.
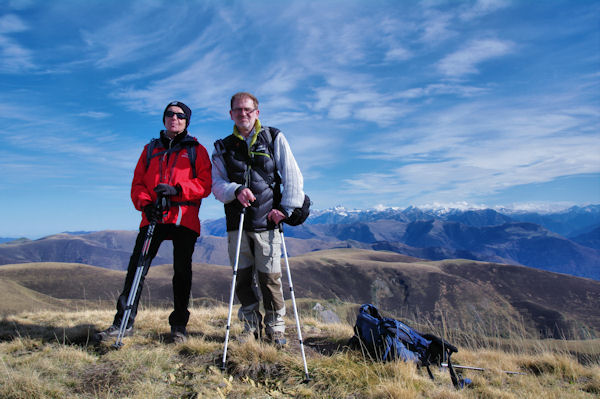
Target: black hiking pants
{"x": 184, "y": 240}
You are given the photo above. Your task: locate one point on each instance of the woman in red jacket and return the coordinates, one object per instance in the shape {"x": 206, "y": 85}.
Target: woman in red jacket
{"x": 175, "y": 166}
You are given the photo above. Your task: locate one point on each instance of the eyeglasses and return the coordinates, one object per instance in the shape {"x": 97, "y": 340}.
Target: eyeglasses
{"x": 244, "y": 110}
{"x": 180, "y": 115}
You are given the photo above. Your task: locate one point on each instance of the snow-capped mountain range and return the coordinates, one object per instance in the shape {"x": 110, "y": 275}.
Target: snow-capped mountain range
{"x": 567, "y": 222}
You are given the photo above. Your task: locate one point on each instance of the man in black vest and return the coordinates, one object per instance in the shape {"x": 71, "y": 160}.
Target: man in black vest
{"x": 254, "y": 168}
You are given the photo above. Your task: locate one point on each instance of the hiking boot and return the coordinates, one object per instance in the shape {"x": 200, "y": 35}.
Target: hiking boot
{"x": 111, "y": 332}
{"x": 277, "y": 338}
{"x": 178, "y": 335}
{"x": 248, "y": 335}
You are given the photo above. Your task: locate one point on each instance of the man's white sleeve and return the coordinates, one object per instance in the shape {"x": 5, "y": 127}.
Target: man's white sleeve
{"x": 222, "y": 188}
{"x": 291, "y": 177}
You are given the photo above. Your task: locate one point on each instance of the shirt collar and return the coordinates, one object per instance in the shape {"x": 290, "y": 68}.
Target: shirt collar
{"x": 253, "y": 135}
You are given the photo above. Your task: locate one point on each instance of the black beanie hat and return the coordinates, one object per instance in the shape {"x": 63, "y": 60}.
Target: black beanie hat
{"x": 186, "y": 110}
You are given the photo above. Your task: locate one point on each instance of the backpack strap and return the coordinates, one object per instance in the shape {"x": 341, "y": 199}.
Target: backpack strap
{"x": 436, "y": 352}
{"x": 191, "y": 150}
{"x": 370, "y": 309}
{"x": 273, "y": 132}
{"x": 272, "y": 181}
{"x": 151, "y": 146}
{"x": 453, "y": 377}
{"x": 154, "y": 143}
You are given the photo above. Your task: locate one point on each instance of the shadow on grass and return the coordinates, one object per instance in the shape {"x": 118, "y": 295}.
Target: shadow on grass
{"x": 80, "y": 334}
{"x": 325, "y": 346}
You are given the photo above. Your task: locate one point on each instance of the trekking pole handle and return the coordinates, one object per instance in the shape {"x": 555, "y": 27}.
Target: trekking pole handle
{"x": 161, "y": 205}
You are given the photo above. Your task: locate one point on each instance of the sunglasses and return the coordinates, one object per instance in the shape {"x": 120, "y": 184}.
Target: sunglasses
{"x": 180, "y": 115}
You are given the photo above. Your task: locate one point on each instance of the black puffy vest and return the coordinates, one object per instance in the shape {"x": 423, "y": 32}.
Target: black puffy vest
{"x": 264, "y": 180}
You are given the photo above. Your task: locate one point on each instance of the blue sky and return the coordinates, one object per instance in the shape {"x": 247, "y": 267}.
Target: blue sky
{"x": 385, "y": 103}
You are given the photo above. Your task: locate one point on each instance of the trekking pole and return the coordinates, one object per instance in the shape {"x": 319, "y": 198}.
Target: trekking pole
{"x": 482, "y": 369}
{"x": 138, "y": 274}
{"x": 231, "y": 296}
{"x": 289, "y": 274}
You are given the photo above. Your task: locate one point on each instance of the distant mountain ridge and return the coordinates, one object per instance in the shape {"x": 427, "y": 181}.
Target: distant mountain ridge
{"x": 434, "y": 234}
{"x": 7, "y": 239}
{"x": 590, "y": 239}
{"x": 508, "y": 237}
{"x": 111, "y": 249}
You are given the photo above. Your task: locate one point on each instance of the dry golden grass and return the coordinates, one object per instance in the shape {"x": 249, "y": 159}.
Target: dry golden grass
{"x": 47, "y": 354}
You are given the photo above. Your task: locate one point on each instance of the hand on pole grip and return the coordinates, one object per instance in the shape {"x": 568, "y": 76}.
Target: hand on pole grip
{"x": 276, "y": 216}
{"x": 155, "y": 211}
{"x": 166, "y": 190}
{"x": 245, "y": 196}
{"x": 152, "y": 213}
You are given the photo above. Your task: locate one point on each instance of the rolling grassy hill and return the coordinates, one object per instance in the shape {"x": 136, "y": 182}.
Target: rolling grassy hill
{"x": 16, "y": 299}
{"x": 456, "y": 293}
{"x": 496, "y": 315}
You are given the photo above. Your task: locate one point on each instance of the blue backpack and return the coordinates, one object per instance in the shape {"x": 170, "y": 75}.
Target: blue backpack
{"x": 387, "y": 339}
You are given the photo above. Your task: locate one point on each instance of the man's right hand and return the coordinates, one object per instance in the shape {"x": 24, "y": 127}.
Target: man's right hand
{"x": 151, "y": 212}
{"x": 245, "y": 196}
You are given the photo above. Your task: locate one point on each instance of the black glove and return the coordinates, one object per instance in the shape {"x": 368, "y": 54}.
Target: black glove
{"x": 166, "y": 190}
{"x": 152, "y": 213}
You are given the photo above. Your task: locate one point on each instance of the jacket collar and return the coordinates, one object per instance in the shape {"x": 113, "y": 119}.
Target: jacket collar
{"x": 257, "y": 127}
{"x": 180, "y": 138}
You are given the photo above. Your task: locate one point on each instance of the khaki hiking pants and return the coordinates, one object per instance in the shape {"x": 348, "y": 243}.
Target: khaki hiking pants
{"x": 259, "y": 274}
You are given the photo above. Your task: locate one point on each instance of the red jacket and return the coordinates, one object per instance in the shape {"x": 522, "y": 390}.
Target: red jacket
{"x": 173, "y": 168}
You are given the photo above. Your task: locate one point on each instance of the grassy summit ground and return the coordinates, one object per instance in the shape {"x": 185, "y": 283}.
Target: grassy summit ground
{"x": 48, "y": 354}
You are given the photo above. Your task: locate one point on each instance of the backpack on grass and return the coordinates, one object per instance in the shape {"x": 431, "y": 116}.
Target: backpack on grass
{"x": 386, "y": 339}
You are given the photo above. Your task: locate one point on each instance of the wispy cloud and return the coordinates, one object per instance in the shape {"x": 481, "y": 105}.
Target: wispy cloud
{"x": 200, "y": 83}
{"x": 409, "y": 102}
{"x": 396, "y": 54}
{"x": 465, "y": 61}
{"x": 436, "y": 27}
{"x": 319, "y": 45}
{"x": 60, "y": 141}
{"x": 11, "y": 23}
{"x": 147, "y": 29}
{"x": 94, "y": 114}
{"x": 479, "y": 149}
{"x": 483, "y": 7}
{"x": 19, "y": 4}
{"x": 436, "y": 89}
{"x": 14, "y": 57}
